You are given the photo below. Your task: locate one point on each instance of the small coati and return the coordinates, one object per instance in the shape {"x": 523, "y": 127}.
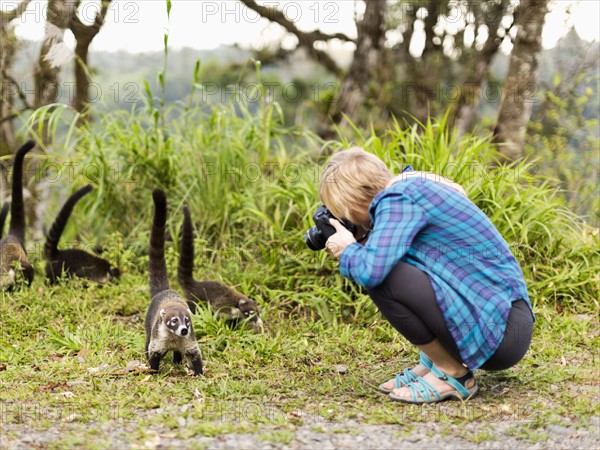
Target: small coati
{"x": 168, "y": 320}
{"x": 3, "y": 214}
{"x": 230, "y": 303}
{"x": 14, "y": 262}
{"x": 74, "y": 262}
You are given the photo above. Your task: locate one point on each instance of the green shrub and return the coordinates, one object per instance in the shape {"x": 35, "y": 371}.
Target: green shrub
{"x": 251, "y": 184}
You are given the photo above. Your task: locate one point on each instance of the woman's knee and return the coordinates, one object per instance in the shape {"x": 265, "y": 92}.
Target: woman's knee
{"x": 379, "y": 294}
{"x": 405, "y": 284}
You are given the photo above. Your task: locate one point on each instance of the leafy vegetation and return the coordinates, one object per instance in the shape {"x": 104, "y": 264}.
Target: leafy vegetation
{"x": 564, "y": 134}
{"x": 251, "y": 183}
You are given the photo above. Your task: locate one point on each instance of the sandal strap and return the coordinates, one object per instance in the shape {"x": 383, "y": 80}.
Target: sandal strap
{"x": 460, "y": 387}
{"x": 425, "y": 361}
{"x": 404, "y": 378}
{"x": 408, "y": 376}
{"x": 422, "y": 388}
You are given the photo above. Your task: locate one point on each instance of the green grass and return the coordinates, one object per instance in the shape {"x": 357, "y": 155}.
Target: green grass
{"x": 72, "y": 353}
{"x": 67, "y": 363}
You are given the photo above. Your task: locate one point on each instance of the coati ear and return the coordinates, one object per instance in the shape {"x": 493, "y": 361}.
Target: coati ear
{"x": 162, "y": 313}
{"x": 243, "y": 301}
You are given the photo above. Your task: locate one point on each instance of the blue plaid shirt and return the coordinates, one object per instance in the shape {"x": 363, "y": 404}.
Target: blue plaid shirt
{"x": 437, "y": 229}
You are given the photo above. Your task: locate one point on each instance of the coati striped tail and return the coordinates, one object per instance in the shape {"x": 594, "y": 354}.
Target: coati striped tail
{"x": 157, "y": 266}
{"x": 17, "y": 210}
{"x": 3, "y": 214}
{"x": 62, "y": 218}
{"x": 185, "y": 270}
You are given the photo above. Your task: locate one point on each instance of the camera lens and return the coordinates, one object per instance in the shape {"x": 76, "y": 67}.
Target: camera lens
{"x": 315, "y": 240}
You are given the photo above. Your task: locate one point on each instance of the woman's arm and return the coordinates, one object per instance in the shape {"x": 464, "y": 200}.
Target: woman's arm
{"x": 397, "y": 220}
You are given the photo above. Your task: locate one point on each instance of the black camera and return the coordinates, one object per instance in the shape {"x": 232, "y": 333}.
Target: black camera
{"x": 317, "y": 236}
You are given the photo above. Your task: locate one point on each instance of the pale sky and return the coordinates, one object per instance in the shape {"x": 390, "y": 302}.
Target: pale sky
{"x": 139, "y": 25}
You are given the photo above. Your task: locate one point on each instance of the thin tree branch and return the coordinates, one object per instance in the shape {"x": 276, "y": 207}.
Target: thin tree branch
{"x": 22, "y": 96}
{"x": 277, "y": 16}
{"x": 305, "y": 39}
{"x": 11, "y": 117}
{"x": 77, "y": 26}
{"x": 8, "y": 16}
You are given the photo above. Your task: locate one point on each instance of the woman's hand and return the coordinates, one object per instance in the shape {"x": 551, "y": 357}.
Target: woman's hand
{"x": 337, "y": 242}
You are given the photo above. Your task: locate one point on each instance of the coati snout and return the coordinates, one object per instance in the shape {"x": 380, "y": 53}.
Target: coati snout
{"x": 177, "y": 319}
{"x": 114, "y": 273}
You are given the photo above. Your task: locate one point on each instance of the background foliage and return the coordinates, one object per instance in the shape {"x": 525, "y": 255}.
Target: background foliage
{"x": 251, "y": 183}
{"x": 563, "y": 137}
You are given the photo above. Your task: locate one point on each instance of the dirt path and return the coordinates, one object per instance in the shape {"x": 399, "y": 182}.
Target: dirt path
{"x": 351, "y": 434}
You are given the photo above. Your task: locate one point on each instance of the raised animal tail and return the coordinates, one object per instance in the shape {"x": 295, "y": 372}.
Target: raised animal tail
{"x": 60, "y": 223}
{"x": 185, "y": 269}
{"x": 157, "y": 266}
{"x": 3, "y": 214}
{"x": 17, "y": 210}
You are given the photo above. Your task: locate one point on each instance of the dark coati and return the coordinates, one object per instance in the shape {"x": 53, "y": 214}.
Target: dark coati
{"x": 3, "y": 214}
{"x": 230, "y": 303}
{"x": 168, "y": 320}
{"x": 14, "y": 262}
{"x": 74, "y": 262}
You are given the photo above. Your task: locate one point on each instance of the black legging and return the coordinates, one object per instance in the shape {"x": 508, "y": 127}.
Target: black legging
{"x": 407, "y": 300}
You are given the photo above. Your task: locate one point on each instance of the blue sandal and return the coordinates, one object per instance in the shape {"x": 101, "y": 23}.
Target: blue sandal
{"x": 421, "y": 391}
{"x": 408, "y": 376}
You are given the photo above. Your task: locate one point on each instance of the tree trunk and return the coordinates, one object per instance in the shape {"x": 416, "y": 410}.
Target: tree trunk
{"x": 47, "y": 70}
{"x": 519, "y": 87}
{"x": 369, "y": 75}
{"x": 82, "y": 79}
{"x": 8, "y": 45}
{"x": 84, "y": 35}
{"x": 471, "y": 91}
{"x": 421, "y": 88}
{"x": 52, "y": 55}
{"x": 7, "y": 109}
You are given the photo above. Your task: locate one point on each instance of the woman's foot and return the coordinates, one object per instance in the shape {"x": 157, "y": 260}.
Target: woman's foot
{"x": 411, "y": 374}
{"x": 435, "y": 386}
{"x": 391, "y": 385}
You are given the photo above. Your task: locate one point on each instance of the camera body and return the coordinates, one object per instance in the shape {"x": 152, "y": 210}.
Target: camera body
{"x": 317, "y": 236}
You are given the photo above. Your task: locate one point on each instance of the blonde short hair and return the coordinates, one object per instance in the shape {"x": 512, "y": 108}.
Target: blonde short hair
{"x": 350, "y": 180}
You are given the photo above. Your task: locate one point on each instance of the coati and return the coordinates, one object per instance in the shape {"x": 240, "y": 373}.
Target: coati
{"x": 14, "y": 262}
{"x": 230, "y": 303}
{"x": 3, "y": 214}
{"x": 74, "y": 262}
{"x": 168, "y": 320}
